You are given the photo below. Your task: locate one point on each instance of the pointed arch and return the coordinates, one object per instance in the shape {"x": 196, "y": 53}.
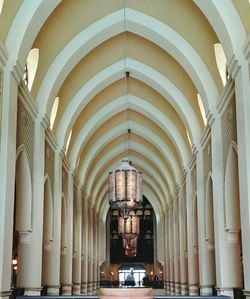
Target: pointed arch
{"x": 139, "y": 71}
{"x": 137, "y": 104}
{"x": 138, "y": 23}
{"x": 137, "y": 129}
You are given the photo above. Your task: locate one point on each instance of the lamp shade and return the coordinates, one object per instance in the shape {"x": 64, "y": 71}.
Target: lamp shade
{"x": 125, "y": 188}
{"x": 129, "y": 228}
{"x": 128, "y": 244}
{"x": 131, "y": 252}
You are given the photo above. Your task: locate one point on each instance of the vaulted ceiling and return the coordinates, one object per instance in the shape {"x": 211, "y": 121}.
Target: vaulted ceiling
{"x": 85, "y": 48}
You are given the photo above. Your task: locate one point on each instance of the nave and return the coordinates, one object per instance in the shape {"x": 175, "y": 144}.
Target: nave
{"x": 85, "y": 83}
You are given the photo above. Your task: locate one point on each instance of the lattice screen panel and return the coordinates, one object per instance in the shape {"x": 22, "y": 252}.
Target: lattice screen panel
{"x": 229, "y": 128}
{"x": 25, "y": 132}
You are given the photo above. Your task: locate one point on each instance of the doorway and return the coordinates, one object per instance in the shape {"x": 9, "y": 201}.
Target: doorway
{"x": 137, "y": 271}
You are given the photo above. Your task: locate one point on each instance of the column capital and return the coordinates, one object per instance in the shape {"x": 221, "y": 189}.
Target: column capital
{"x": 234, "y": 66}
{"x": 51, "y": 139}
{"x": 17, "y": 71}
{"x": 24, "y": 237}
{"x": 45, "y": 121}
{"x": 205, "y": 136}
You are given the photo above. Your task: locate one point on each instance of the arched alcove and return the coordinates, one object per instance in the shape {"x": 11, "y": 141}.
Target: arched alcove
{"x": 48, "y": 225}
{"x": 48, "y": 215}
{"x": 64, "y": 228}
{"x": 75, "y": 247}
{"x": 195, "y": 225}
{"x": 209, "y": 214}
{"x": 23, "y": 197}
{"x": 232, "y": 201}
{"x": 232, "y": 216}
{"x": 209, "y": 236}
{"x": 23, "y": 213}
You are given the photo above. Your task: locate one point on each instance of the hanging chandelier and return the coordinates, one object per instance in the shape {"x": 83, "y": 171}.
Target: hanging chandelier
{"x": 125, "y": 188}
{"x": 131, "y": 252}
{"x": 129, "y": 228}
{"x": 130, "y": 247}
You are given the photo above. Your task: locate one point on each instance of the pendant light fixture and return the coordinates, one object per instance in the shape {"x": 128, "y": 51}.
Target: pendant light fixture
{"x": 125, "y": 188}
{"x": 129, "y": 228}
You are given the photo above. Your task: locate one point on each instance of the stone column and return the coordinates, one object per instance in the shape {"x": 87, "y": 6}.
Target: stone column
{"x": 90, "y": 252}
{"x": 226, "y": 263}
{"x": 176, "y": 245}
{"x": 240, "y": 71}
{"x": 66, "y": 257}
{"x": 76, "y": 275}
{"x": 97, "y": 252}
{"x": 193, "y": 266}
{"x": 85, "y": 225}
{"x": 183, "y": 241}
{"x": 52, "y": 279}
{"x": 30, "y": 242}
{"x": 95, "y": 279}
{"x": 7, "y": 182}
{"x": 166, "y": 270}
{"x": 206, "y": 255}
{"x": 171, "y": 253}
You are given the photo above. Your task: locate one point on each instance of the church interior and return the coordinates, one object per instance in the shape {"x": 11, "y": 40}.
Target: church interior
{"x": 152, "y": 96}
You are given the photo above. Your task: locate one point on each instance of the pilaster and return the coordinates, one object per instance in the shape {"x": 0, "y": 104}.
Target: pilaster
{"x": 206, "y": 255}
{"x": 193, "y": 266}
{"x": 7, "y": 182}
{"x": 53, "y": 256}
{"x": 183, "y": 241}
{"x": 66, "y": 262}
{"x": 242, "y": 90}
{"x": 76, "y": 275}
{"x": 85, "y": 240}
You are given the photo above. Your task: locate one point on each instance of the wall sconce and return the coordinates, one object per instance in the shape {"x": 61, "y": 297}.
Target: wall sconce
{"x": 14, "y": 264}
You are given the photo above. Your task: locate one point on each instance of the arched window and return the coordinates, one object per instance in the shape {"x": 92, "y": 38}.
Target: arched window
{"x": 31, "y": 68}
{"x": 1, "y": 5}
{"x": 189, "y": 140}
{"x": 221, "y": 62}
{"x": 202, "y": 109}
{"x": 54, "y": 112}
{"x": 68, "y": 142}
